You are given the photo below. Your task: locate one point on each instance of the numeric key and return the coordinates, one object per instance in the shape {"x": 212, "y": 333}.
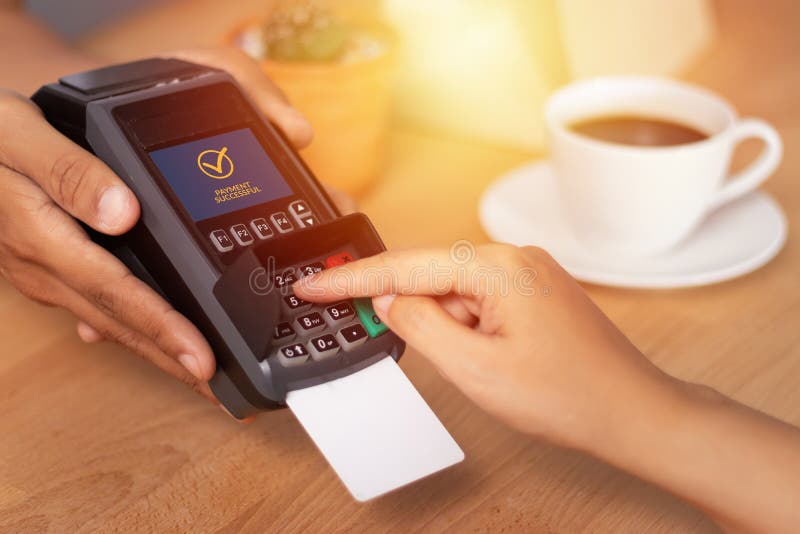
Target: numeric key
{"x": 323, "y": 347}
{"x": 285, "y": 278}
{"x": 311, "y": 268}
{"x": 295, "y": 304}
{"x": 339, "y": 313}
{"x": 310, "y": 322}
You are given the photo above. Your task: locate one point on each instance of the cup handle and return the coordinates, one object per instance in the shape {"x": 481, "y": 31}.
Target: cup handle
{"x": 754, "y": 175}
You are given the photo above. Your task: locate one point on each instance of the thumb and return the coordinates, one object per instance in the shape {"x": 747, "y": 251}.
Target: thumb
{"x": 73, "y": 178}
{"x": 432, "y": 331}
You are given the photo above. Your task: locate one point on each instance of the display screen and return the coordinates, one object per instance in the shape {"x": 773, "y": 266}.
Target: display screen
{"x": 220, "y": 174}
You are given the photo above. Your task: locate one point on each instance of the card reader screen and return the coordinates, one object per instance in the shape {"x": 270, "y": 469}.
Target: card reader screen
{"x": 220, "y": 174}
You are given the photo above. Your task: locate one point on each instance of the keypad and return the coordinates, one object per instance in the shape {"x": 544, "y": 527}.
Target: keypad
{"x": 306, "y": 332}
{"x": 311, "y": 332}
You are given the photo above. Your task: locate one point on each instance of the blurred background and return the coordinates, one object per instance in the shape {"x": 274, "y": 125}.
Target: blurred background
{"x": 476, "y": 69}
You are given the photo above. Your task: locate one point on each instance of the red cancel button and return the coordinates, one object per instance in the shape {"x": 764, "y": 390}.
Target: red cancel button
{"x": 338, "y": 259}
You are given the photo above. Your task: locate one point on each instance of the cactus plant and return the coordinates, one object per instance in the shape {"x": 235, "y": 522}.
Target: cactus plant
{"x": 304, "y": 30}
{"x": 333, "y": 60}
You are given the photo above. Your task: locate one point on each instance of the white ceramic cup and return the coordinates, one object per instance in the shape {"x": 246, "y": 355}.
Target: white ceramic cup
{"x": 634, "y": 200}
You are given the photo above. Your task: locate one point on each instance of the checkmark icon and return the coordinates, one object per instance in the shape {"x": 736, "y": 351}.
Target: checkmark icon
{"x": 218, "y": 167}
{"x": 215, "y": 170}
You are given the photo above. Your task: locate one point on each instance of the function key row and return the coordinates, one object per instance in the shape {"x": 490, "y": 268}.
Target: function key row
{"x": 259, "y": 228}
{"x": 322, "y": 346}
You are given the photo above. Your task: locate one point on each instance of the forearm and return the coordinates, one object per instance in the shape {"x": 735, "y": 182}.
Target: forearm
{"x": 741, "y": 466}
{"x": 31, "y": 55}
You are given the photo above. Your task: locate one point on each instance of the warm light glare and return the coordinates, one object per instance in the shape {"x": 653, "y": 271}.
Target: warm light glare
{"x": 478, "y": 68}
{"x": 483, "y": 68}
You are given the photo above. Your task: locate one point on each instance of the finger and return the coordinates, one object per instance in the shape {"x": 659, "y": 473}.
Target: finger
{"x": 140, "y": 346}
{"x": 32, "y": 281}
{"x": 244, "y": 421}
{"x": 76, "y": 180}
{"x": 488, "y": 270}
{"x": 132, "y": 303}
{"x": 388, "y": 273}
{"x": 427, "y": 327}
{"x": 38, "y": 284}
{"x": 343, "y": 201}
{"x": 409, "y": 272}
{"x": 107, "y": 328}
{"x": 289, "y": 119}
{"x": 88, "y": 334}
{"x": 458, "y": 309}
{"x": 97, "y": 321}
{"x": 267, "y": 96}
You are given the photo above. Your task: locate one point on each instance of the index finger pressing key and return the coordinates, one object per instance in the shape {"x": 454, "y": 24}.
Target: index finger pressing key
{"x": 410, "y": 272}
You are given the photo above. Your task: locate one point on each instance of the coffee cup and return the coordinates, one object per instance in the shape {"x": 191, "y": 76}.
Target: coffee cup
{"x": 643, "y": 200}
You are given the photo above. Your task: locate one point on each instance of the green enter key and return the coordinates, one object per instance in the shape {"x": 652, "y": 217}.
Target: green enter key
{"x": 369, "y": 319}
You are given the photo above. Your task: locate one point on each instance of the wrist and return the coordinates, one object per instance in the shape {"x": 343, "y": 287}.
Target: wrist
{"x": 655, "y": 428}
{"x": 638, "y": 405}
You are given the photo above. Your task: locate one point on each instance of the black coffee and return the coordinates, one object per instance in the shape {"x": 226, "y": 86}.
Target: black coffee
{"x": 638, "y": 131}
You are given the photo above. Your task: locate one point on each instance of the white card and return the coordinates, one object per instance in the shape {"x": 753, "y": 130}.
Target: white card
{"x": 375, "y": 429}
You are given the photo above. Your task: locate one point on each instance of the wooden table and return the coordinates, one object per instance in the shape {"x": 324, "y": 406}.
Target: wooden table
{"x": 92, "y": 438}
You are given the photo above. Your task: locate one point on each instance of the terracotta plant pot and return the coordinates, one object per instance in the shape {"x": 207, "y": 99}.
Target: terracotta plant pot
{"x": 347, "y": 102}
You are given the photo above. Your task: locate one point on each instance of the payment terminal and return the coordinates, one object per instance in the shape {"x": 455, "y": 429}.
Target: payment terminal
{"x": 230, "y": 218}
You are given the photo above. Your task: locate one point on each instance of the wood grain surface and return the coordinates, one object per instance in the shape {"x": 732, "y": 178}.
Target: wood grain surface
{"x": 92, "y": 438}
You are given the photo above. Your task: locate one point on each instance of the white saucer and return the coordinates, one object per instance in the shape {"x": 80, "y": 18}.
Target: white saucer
{"x": 523, "y": 208}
